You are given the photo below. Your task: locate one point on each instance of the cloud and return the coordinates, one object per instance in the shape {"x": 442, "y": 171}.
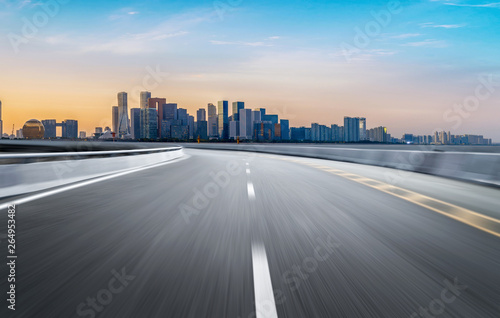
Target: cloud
{"x": 444, "y": 26}
{"x": 485, "y": 5}
{"x": 428, "y": 43}
{"x": 133, "y": 12}
{"x": 406, "y": 35}
{"x": 240, "y": 43}
{"x": 274, "y": 37}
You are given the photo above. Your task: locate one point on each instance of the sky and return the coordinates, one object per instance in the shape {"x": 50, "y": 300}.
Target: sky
{"x": 412, "y": 66}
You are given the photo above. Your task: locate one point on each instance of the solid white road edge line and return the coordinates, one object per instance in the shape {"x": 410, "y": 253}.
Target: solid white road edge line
{"x": 84, "y": 183}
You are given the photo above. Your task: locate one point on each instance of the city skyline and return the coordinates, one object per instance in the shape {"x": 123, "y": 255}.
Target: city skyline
{"x": 160, "y": 117}
{"x": 431, "y": 56}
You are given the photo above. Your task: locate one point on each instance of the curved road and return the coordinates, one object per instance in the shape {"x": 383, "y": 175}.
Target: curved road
{"x": 230, "y": 234}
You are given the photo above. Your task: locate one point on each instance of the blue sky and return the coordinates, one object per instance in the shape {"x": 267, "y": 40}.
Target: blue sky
{"x": 283, "y": 55}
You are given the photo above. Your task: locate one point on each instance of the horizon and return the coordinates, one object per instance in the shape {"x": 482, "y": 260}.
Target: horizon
{"x": 287, "y": 57}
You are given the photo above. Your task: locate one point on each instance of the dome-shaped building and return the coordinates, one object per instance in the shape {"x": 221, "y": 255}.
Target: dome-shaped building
{"x": 33, "y": 129}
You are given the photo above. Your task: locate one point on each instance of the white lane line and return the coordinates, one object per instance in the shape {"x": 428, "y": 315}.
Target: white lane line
{"x": 264, "y": 296}
{"x": 251, "y": 191}
{"x": 248, "y": 171}
{"x": 84, "y": 183}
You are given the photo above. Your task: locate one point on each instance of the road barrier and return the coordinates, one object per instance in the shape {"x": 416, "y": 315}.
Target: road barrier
{"x": 24, "y": 173}
{"x": 480, "y": 167}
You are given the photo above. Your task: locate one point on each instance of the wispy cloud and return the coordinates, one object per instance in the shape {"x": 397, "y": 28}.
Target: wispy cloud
{"x": 406, "y": 35}
{"x": 428, "y": 43}
{"x": 444, "y": 26}
{"x": 485, "y": 5}
{"x": 240, "y": 43}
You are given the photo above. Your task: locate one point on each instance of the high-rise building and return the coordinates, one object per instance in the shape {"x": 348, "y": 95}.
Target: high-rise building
{"x": 234, "y": 129}
{"x": 191, "y": 126}
{"x": 256, "y": 116}
{"x": 145, "y": 96}
{"x": 236, "y": 108}
{"x": 82, "y": 135}
{"x": 213, "y": 120}
{"x": 362, "y": 128}
{"x": 123, "y": 122}
{"x": 98, "y": 130}
{"x": 50, "y": 128}
{"x": 156, "y": 102}
{"x": 285, "y": 129}
{"x": 223, "y": 119}
{"x": 170, "y": 111}
{"x": 114, "y": 124}
{"x": 337, "y": 133}
{"x": 70, "y": 129}
{"x": 351, "y": 129}
{"x": 182, "y": 115}
{"x": 201, "y": 114}
{"x": 246, "y": 124}
{"x": 149, "y": 123}
{"x": 135, "y": 120}
{"x": 201, "y": 129}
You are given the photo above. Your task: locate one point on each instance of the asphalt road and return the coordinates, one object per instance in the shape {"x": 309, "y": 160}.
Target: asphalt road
{"x": 214, "y": 234}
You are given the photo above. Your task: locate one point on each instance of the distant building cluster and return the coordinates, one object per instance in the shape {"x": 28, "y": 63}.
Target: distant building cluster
{"x": 158, "y": 120}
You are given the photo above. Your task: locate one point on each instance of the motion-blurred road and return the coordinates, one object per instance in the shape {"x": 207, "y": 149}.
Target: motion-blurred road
{"x": 184, "y": 239}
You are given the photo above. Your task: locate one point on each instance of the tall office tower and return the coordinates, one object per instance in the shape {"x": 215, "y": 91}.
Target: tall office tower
{"x": 170, "y": 111}
{"x": 135, "y": 119}
{"x": 256, "y": 116}
{"x": 182, "y": 115}
{"x": 201, "y": 129}
{"x": 285, "y": 129}
{"x": 114, "y": 115}
{"x": 1, "y": 122}
{"x": 362, "y": 128}
{"x": 82, "y": 135}
{"x": 223, "y": 119}
{"x": 315, "y": 132}
{"x": 149, "y": 123}
{"x": 262, "y": 112}
{"x": 191, "y": 126}
{"x": 236, "y": 109}
{"x": 123, "y": 122}
{"x": 70, "y": 129}
{"x": 234, "y": 129}
{"x": 201, "y": 114}
{"x": 337, "y": 133}
{"x": 351, "y": 129}
{"x": 156, "y": 102}
{"x": 98, "y": 130}
{"x": 50, "y": 128}
{"x": 145, "y": 96}
{"x": 213, "y": 127}
{"x": 246, "y": 125}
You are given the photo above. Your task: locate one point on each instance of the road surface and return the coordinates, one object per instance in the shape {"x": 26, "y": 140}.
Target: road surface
{"x": 233, "y": 234}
